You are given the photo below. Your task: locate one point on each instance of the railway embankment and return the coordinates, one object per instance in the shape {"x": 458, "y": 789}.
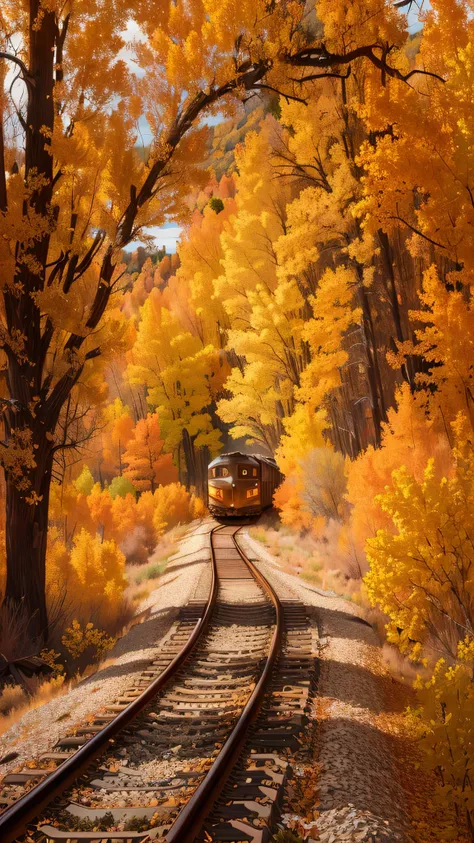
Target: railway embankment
{"x": 370, "y": 783}
{"x": 330, "y": 756}
{"x": 38, "y": 730}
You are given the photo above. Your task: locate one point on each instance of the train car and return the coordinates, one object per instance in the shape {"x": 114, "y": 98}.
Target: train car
{"x": 241, "y": 484}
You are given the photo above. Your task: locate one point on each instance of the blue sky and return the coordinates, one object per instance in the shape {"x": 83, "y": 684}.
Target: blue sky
{"x": 168, "y": 235}
{"x": 417, "y": 6}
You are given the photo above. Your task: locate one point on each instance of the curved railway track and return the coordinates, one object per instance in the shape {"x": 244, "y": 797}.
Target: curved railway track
{"x": 225, "y": 701}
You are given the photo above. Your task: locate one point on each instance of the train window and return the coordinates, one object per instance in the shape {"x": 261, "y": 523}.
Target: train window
{"x": 216, "y": 493}
{"x": 247, "y": 471}
{"x": 219, "y": 471}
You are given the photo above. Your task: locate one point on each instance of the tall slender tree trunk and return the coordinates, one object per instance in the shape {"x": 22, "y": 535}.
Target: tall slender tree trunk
{"x": 190, "y": 459}
{"x": 387, "y": 257}
{"x": 203, "y": 460}
{"x": 373, "y": 369}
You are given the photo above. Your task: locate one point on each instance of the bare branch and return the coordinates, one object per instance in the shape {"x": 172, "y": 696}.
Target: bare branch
{"x": 322, "y": 58}
{"x": 24, "y": 70}
{"x": 417, "y": 231}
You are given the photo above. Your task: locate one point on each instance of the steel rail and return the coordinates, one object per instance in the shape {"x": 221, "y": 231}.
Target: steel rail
{"x": 14, "y": 821}
{"x": 188, "y": 824}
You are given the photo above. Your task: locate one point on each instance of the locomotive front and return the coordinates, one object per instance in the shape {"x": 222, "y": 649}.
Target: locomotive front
{"x": 234, "y": 485}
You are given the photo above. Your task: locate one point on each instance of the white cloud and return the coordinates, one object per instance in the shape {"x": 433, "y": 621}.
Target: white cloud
{"x": 163, "y": 236}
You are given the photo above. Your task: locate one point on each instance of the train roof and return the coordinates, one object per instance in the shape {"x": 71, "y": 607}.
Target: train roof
{"x": 254, "y": 459}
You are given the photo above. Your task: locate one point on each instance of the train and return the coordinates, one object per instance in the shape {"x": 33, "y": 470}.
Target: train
{"x": 241, "y": 484}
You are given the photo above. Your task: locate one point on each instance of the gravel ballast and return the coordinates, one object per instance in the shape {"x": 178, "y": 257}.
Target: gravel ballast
{"x": 40, "y": 728}
{"x": 371, "y": 785}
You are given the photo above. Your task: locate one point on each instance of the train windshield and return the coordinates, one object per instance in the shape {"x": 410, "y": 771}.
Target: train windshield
{"x": 247, "y": 471}
{"x": 219, "y": 471}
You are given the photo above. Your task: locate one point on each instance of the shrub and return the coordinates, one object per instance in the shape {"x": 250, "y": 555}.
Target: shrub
{"x": 446, "y": 719}
{"x": 78, "y": 639}
{"x": 324, "y": 483}
{"x": 151, "y": 572}
{"x": 12, "y": 697}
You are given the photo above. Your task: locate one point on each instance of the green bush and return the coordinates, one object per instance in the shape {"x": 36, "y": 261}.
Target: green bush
{"x": 151, "y": 572}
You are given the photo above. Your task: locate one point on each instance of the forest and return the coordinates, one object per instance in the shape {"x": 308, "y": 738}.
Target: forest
{"x": 319, "y": 158}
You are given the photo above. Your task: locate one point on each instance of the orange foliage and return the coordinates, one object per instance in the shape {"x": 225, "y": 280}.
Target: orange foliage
{"x": 174, "y": 505}
{"x": 409, "y": 439}
{"x": 147, "y": 465}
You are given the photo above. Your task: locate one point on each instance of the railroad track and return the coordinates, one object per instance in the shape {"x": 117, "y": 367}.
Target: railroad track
{"x": 198, "y": 749}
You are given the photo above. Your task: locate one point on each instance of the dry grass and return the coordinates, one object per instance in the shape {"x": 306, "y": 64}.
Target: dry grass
{"x": 143, "y": 578}
{"x": 15, "y": 642}
{"x": 12, "y": 697}
{"x": 14, "y": 702}
{"x": 399, "y": 666}
{"x": 328, "y": 560}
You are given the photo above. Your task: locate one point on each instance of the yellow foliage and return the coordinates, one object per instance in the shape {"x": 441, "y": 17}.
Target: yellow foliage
{"x": 445, "y": 341}
{"x": 445, "y": 718}
{"x": 181, "y": 373}
{"x": 60, "y": 577}
{"x": 100, "y": 506}
{"x": 77, "y": 639}
{"x": 174, "y": 505}
{"x": 420, "y": 567}
{"x": 100, "y": 570}
{"x": 333, "y": 315}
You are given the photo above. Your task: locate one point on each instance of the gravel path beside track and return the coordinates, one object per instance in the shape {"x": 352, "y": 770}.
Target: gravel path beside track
{"x": 370, "y": 788}
{"x": 39, "y": 729}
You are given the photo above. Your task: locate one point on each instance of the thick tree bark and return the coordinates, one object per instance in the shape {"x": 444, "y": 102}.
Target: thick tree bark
{"x": 26, "y": 538}
{"x": 27, "y": 508}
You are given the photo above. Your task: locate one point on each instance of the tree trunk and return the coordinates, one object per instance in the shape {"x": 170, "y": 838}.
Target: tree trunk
{"x": 391, "y": 287}
{"x": 26, "y": 539}
{"x": 373, "y": 370}
{"x": 203, "y": 460}
{"x": 190, "y": 460}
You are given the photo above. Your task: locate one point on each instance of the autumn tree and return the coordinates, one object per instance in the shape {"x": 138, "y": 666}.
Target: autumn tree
{"x": 147, "y": 466}
{"x": 83, "y": 193}
{"x": 181, "y": 375}
{"x": 118, "y": 430}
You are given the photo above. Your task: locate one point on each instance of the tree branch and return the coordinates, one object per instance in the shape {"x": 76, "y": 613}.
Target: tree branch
{"x": 321, "y": 57}
{"x": 417, "y": 231}
{"x": 24, "y": 70}
{"x": 288, "y": 97}
{"x": 313, "y": 76}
